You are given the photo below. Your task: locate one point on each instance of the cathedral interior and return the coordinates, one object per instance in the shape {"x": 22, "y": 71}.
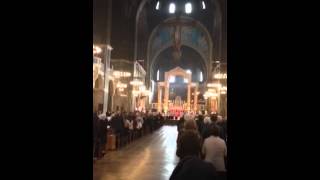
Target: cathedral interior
{"x": 157, "y": 66}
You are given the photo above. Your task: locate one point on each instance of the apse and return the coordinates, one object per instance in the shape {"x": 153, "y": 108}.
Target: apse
{"x": 190, "y": 61}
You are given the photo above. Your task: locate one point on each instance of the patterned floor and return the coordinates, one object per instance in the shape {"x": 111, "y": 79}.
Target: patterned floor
{"x": 149, "y": 158}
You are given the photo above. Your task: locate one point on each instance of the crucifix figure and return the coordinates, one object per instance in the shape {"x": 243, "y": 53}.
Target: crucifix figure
{"x": 177, "y": 23}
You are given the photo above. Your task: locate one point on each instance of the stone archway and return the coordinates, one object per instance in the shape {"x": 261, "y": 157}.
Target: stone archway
{"x": 98, "y": 93}
{"x": 178, "y": 71}
{"x": 190, "y": 59}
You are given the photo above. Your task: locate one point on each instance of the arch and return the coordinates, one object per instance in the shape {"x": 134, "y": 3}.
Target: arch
{"x": 99, "y": 83}
{"x": 204, "y": 63}
{"x": 178, "y": 71}
{"x": 217, "y": 22}
{"x": 151, "y": 57}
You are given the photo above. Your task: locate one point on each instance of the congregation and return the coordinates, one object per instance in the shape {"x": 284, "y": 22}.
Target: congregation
{"x": 201, "y": 147}
{"x": 112, "y": 131}
{"x": 201, "y": 142}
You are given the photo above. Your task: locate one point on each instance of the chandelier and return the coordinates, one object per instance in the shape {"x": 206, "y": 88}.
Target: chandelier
{"x": 136, "y": 82}
{"x": 216, "y": 85}
{"x": 119, "y": 74}
{"x": 220, "y": 76}
{"x": 135, "y": 92}
{"x": 96, "y": 49}
{"x": 121, "y": 85}
{"x": 141, "y": 93}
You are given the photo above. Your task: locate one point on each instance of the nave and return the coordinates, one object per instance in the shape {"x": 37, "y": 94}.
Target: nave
{"x": 152, "y": 157}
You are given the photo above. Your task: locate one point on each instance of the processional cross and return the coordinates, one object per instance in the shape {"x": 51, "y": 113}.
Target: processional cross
{"x": 177, "y": 23}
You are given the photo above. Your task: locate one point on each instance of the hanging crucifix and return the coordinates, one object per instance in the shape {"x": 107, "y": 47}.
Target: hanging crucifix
{"x": 176, "y": 36}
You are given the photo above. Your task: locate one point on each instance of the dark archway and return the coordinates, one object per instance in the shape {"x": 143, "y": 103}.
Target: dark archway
{"x": 99, "y": 83}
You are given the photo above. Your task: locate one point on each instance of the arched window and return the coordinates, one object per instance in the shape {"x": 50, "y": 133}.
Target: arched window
{"x": 203, "y": 5}
{"x": 188, "y": 8}
{"x": 172, "y": 8}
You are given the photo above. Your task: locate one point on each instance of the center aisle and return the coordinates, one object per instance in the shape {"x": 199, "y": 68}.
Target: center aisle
{"x": 152, "y": 157}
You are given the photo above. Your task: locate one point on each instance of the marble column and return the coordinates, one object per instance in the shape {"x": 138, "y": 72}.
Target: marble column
{"x": 195, "y": 100}
{"x": 214, "y": 104}
{"x": 159, "y": 98}
{"x": 166, "y": 96}
{"x": 189, "y": 97}
{"x": 108, "y": 57}
{"x": 106, "y": 77}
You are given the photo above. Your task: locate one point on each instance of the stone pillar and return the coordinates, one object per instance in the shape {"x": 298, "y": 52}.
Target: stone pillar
{"x": 108, "y": 57}
{"x": 166, "y": 96}
{"x": 195, "y": 100}
{"x": 214, "y": 104}
{"x": 159, "y": 98}
{"x": 106, "y": 78}
{"x": 106, "y": 82}
{"x": 189, "y": 97}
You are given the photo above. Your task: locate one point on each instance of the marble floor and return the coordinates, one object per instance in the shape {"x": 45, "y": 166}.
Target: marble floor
{"x": 151, "y": 157}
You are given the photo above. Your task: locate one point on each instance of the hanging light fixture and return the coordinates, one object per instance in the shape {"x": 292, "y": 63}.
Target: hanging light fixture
{"x": 142, "y": 88}
{"x": 96, "y": 49}
{"x": 121, "y": 85}
{"x": 220, "y": 76}
{"x": 136, "y": 82}
{"x": 119, "y": 74}
{"x": 135, "y": 92}
{"x": 217, "y": 85}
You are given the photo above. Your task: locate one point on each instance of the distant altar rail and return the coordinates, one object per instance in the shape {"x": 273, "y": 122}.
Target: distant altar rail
{"x": 170, "y": 120}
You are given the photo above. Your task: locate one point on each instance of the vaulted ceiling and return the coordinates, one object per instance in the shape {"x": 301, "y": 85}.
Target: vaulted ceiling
{"x": 133, "y": 21}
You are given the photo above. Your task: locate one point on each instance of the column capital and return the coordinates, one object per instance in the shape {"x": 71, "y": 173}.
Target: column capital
{"x": 109, "y": 47}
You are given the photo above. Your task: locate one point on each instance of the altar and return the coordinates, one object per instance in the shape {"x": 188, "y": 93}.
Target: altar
{"x": 176, "y": 107}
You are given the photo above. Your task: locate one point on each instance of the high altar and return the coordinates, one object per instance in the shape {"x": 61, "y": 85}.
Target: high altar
{"x": 177, "y": 107}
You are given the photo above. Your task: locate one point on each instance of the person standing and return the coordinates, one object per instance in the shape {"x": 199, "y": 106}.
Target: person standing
{"x": 214, "y": 150}
{"x": 206, "y": 128}
{"x": 190, "y": 166}
{"x": 102, "y": 133}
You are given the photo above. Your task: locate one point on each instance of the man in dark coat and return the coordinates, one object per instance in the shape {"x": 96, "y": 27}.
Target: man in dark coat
{"x": 223, "y": 129}
{"x": 180, "y": 124}
{"x": 117, "y": 123}
{"x": 200, "y": 123}
{"x": 191, "y": 167}
{"x": 102, "y": 134}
